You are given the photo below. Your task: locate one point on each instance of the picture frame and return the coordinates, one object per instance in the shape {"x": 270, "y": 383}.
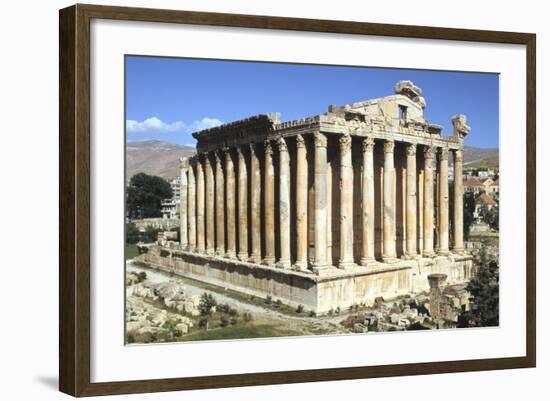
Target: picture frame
{"x": 75, "y": 201}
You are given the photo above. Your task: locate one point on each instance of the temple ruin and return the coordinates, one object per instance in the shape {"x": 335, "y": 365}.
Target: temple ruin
{"x": 326, "y": 211}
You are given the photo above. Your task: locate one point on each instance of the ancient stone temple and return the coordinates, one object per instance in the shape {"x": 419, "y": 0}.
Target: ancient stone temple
{"x": 326, "y": 211}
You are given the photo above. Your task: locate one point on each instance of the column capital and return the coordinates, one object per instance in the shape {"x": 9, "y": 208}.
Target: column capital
{"x": 368, "y": 144}
{"x": 268, "y": 149}
{"x": 428, "y": 152}
{"x": 345, "y": 141}
{"x": 239, "y": 151}
{"x": 300, "y": 142}
{"x": 458, "y": 155}
{"x": 252, "y": 147}
{"x": 389, "y": 146}
{"x": 282, "y": 144}
{"x": 411, "y": 149}
{"x": 184, "y": 162}
{"x": 217, "y": 157}
{"x": 443, "y": 153}
{"x": 227, "y": 152}
{"x": 320, "y": 140}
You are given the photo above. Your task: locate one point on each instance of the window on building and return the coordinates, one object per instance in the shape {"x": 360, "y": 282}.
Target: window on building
{"x": 403, "y": 113}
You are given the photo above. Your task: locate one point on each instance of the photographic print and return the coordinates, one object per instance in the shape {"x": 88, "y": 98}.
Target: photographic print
{"x": 276, "y": 199}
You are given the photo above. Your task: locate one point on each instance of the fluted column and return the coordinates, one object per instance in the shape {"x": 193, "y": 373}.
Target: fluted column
{"x": 230, "y": 191}
{"x": 367, "y": 203}
{"x": 242, "y": 200}
{"x": 458, "y": 212}
{"x": 269, "y": 205}
{"x": 220, "y": 207}
{"x": 184, "y": 166}
{"x": 255, "y": 204}
{"x": 209, "y": 191}
{"x": 200, "y": 206}
{"x": 443, "y": 201}
{"x": 346, "y": 203}
{"x": 301, "y": 203}
{"x": 411, "y": 201}
{"x": 321, "y": 212}
{"x": 389, "y": 254}
{"x": 284, "y": 204}
{"x": 428, "y": 248}
{"x": 191, "y": 210}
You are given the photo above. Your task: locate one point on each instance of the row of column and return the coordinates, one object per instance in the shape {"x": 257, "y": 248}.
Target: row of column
{"x": 212, "y": 196}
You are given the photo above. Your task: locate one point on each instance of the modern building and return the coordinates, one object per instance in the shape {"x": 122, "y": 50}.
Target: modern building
{"x": 326, "y": 211}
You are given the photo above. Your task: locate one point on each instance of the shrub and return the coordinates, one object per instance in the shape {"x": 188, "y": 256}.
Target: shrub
{"x": 142, "y": 276}
{"x": 203, "y": 323}
{"x": 130, "y": 339}
{"x": 278, "y": 303}
{"x": 247, "y": 317}
{"x": 311, "y": 314}
{"x": 300, "y": 309}
{"x": 268, "y": 299}
{"x": 233, "y": 321}
{"x": 223, "y": 321}
{"x": 233, "y": 312}
{"x": 206, "y": 303}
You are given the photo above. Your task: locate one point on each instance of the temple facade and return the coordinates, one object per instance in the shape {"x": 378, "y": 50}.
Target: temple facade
{"x": 326, "y": 211}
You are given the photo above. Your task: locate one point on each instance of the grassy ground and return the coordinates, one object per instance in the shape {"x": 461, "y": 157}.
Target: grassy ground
{"x": 249, "y": 330}
{"x": 131, "y": 251}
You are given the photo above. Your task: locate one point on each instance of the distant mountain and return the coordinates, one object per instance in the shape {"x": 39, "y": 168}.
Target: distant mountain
{"x": 162, "y": 158}
{"x": 155, "y": 158}
{"x": 480, "y": 157}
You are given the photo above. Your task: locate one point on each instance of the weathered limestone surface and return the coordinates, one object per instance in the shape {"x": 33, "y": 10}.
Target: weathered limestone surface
{"x": 347, "y": 202}
{"x": 301, "y": 203}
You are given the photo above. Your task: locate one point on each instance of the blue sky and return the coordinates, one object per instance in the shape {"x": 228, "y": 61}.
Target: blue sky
{"x": 169, "y": 98}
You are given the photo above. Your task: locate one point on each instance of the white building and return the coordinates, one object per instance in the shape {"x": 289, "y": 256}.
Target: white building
{"x": 170, "y": 207}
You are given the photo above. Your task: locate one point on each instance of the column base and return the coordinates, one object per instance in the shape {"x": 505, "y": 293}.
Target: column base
{"x": 411, "y": 256}
{"x": 242, "y": 256}
{"x": 283, "y": 264}
{"x": 220, "y": 253}
{"x": 300, "y": 265}
{"x": 428, "y": 254}
{"x": 269, "y": 261}
{"x": 368, "y": 262}
{"x": 443, "y": 252}
{"x": 231, "y": 255}
{"x": 210, "y": 252}
{"x": 389, "y": 259}
{"x": 321, "y": 269}
{"x": 345, "y": 265}
{"x": 255, "y": 258}
{"x": 458, "y": 251}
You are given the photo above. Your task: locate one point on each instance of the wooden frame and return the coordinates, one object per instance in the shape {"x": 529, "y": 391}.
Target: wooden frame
{"x": 74, "y": 199}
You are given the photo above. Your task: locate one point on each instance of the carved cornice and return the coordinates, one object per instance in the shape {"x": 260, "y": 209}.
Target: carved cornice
{"x": 389, "y": 146}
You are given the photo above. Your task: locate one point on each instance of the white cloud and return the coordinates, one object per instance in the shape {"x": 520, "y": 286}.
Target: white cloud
{"x": 155, "y": 125}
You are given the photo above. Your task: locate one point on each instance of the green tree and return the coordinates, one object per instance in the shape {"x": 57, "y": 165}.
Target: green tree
{"x": 484, "y": 301}
{"x": 133, "y": 235}
{"x": 144, "y": 195}
{"x": 468, "y": 214}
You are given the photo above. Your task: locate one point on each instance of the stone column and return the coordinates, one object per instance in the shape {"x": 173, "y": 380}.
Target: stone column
{"x": 269, "y": 205}
{"x": 367, "y": 203}
{"x": 443, "y": 202}
{"x": 184, "y": 166}
{"x": 209, "y": 184}
{"x": 230, "y": 190}
{"x": 320, "y": 261}
{"x": 220, "y": 207}
{"x": 242, "y": 200}
{"x": 255, "y": 205}
{"x": 346, "y": 203}
{"x": 200, "y": 206}
{"x": 458, "y": 212}
{"x": 389, "y": 254}
{"x": 301, "y": 203}
{"x": 284, "y": 204}
{"x": 411, "y": 248}
{"x": 428, "y": 226}
{"x": 191, "y": 210}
